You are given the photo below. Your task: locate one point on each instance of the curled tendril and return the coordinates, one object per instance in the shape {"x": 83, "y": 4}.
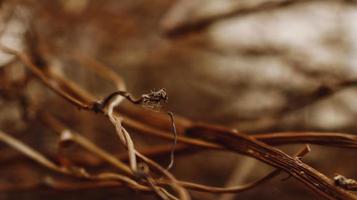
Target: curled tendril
{"x": 151, "y": 100}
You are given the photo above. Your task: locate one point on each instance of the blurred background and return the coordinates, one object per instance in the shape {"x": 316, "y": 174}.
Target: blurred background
{"x": 254, "y": 65}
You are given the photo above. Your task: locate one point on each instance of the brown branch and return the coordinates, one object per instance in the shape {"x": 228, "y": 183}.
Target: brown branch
{"x": 310, "y": 177}
{"x": 339, "y": 139}
{"x": 99, "y": 69}
{"x": 60, "y": 128}
{"x": 161, "y": 150}
{"x": 342, "y": 140}
{"x": 220, "y": 138}
{"x": 241, "y": 188}
{"x": 320, "y": 138}
{"x": 77, "y": 138}
{"x": 42, "y": 76}
{"x": 75, "y": 172}
{"x": 324, "y": 91}
{"x": 179, "y": 22}
{"x": 61, "y": 185}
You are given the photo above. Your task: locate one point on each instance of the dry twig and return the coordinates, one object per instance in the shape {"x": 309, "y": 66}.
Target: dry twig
{"x": 209, "y": 137}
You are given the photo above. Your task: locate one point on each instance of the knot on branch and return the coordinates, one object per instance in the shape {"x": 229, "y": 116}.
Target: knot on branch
{"x": 346, "y": 183}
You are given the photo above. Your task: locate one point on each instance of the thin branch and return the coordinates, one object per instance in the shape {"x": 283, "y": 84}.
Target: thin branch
{"x": 320, "y": 138}
{"x": 61, "y": 129}
{"x": 42, "y": 76}
{"x": 100, "y": 69}
{"x": 76, "y": 172}
{"x": 241, "y": 188}
{"x": 28, "y": 151}
{"x": 172, "y": 152}
{"x": 179, "y": 21}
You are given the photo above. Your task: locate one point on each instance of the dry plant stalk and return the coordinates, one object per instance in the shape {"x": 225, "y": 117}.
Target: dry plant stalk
{"x": 196, "y": 135}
